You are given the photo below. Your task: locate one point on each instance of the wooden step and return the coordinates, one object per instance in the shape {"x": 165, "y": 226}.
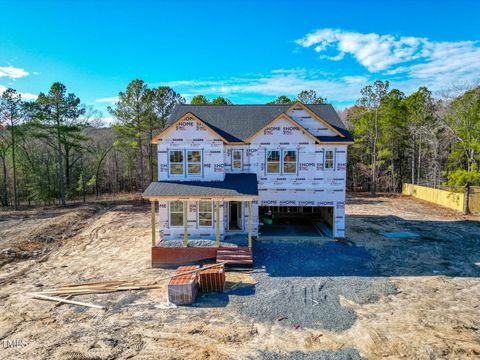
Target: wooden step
{"x": 230, "y": 263}
{"x": 235, "y": 257}
{"x": 233, "y": 248}
{"x": 234, "y": 260}
{"x": 246, "y": 253}
{"x": 231, "y": 253}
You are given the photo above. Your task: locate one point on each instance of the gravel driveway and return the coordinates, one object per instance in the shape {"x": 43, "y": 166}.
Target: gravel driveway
{"x": 299, "y": 285}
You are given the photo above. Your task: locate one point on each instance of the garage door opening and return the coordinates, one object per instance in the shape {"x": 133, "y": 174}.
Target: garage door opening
{"x": 296, "y": 222}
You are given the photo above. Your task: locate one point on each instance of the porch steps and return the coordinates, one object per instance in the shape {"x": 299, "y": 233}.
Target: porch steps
{"x": 235, "y": 257}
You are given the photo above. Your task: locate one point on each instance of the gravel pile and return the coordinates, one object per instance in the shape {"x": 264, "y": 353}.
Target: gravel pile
{"x": 299, "y": 285}
{"x": 192, "y": 243}
{"x": 344, "y": 354}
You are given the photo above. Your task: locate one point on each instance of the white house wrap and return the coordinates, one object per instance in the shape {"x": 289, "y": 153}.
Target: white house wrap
{"x": 220, "y": 166}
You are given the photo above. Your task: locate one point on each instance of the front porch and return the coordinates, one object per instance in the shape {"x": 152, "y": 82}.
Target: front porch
{"x": 221, "y": 243}
{"x": 233, "y": 248}
{"x": 204, "y": 220}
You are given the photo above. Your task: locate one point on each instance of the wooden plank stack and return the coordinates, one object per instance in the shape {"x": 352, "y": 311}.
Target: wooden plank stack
{"x": 183, "y": 289}
{"x": 98, "y": 288}
{"x": 185, "y": 281}
{"x": 212, "y": 279}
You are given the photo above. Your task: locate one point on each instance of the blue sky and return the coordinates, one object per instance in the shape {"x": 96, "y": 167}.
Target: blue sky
{"x": 248, "y": 51}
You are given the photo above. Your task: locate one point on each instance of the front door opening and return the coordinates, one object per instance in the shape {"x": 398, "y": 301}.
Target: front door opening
{"x": 235, "y": 216}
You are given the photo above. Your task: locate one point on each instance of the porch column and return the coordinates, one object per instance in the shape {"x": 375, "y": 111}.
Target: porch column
{"x": 249, "y": 224}
{"x": 217, "y": 222}
{"x": 185, "y": 223}
{"x": 154, "y": 234}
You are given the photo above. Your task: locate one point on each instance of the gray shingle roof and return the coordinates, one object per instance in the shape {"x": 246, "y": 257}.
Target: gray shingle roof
{"x": 233, "y": 185}
{"x": 237, "y": 123}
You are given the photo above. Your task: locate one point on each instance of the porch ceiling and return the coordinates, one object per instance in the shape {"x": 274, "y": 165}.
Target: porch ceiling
{"x": 234, "y": 185}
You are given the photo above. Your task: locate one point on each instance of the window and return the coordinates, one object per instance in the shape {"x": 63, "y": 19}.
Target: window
{"x": 237, "y": 159}
{"x": 193, "y": 163}
{"x": 329, "y": 159}
{"x": 176, "y": 213}
{"x": 205, "y": 213}
{"x": 290, "y": 162}
{"x": 287, "y": 163}
{"x": 176, "y": 162}
{"x": 194, "y": 158}
{"x": 273, "y": 161}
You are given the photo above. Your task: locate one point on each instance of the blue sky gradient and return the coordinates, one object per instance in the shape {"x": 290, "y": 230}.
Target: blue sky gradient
{"x": 248, "y": 51}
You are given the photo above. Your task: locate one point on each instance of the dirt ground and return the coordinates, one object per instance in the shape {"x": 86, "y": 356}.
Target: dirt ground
{"x": 434, "y": 313}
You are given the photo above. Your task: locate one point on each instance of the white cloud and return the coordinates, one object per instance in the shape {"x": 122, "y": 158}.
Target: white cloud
{"x": 12, "y": 72}
{"x": 433, "y": 63}
{"x": 361, "y": 80}
{"x": 407, "y": 61}
{"x": 25, "y": 96}
{"x": 108, "y": 99}
{"x": 29, "y": 96}
{"x": 278, "y": 82}
{"x": 375, "y": 52}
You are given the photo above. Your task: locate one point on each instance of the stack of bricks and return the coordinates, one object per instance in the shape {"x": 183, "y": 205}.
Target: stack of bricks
{"x": 212, "y": 279}
{"x": 182, "y": 290}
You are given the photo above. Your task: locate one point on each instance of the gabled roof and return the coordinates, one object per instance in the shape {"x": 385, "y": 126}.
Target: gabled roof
{"x": 213, "y": 130}
{"x": 288, "y": 118}
{"x": 234, "y": 185}
{"x": 298, "y": 104}
{"x": 236, "y": 123}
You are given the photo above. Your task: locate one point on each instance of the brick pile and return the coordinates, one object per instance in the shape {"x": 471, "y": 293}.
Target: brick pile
{"x": 212, "y": 279}
{"x": 182, "y": 290}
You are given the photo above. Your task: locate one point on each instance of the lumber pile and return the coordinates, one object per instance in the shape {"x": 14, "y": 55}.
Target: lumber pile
{"x": 60, "y": 300}
{"x": 97, "y": 288}
{"x": 63, "y": 295}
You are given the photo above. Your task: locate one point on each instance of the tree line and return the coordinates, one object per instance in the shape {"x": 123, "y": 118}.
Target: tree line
{"x": 416, "y": 138}
{"x": 55, "y": 149}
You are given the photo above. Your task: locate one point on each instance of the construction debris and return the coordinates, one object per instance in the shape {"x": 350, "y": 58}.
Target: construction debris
{"x": 61, "y": 303}
{"x": 62, "y": 300}
{"x": 166, "y": 306}
{"x": 98, "y": 288}
{"x": 102, "y": 287}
